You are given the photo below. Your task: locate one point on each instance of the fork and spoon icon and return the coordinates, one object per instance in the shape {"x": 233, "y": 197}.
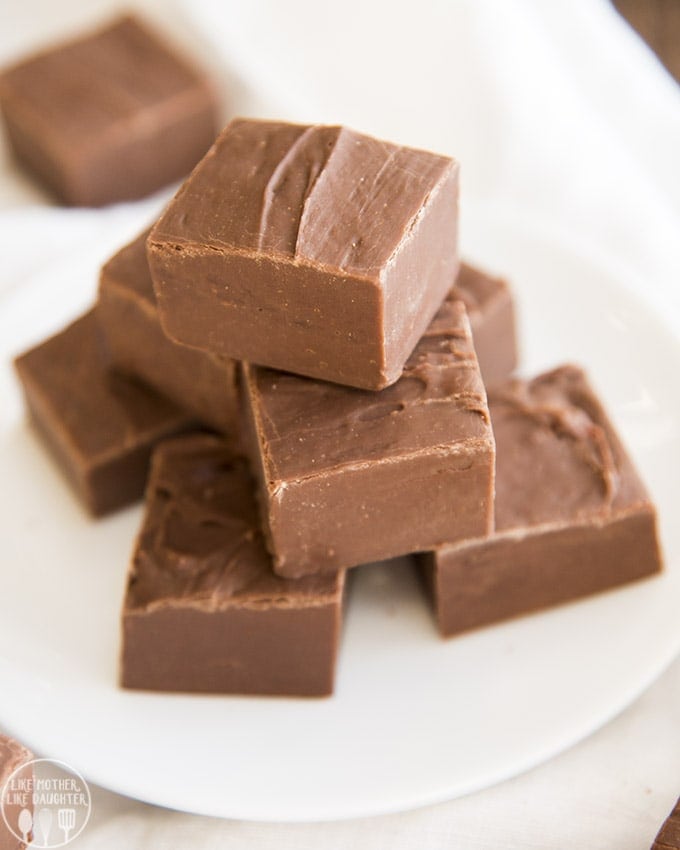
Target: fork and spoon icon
{"x": 66, "y": 820}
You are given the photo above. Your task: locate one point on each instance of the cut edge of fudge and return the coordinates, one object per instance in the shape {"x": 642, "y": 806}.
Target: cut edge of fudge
{"x": 486, "y": 580}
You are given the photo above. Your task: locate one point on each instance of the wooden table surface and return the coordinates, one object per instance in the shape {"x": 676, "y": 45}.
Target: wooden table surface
{"x": 658, "y": 22}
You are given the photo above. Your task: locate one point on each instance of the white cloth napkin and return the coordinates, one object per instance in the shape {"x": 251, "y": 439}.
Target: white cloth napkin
{"x": 555, "y": 110}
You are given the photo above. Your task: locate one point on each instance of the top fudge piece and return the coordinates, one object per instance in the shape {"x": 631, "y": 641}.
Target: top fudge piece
{"x": 310, "y": 249}
{"x": 111, "y": 116}
{"x": 349, "y": 476}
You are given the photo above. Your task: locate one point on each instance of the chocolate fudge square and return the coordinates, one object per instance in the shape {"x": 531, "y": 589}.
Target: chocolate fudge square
{"x": 110, "y": 116}
{"x": 203, "y": 611}
{"x": 669, "y": 834}
{"x": 312, "y": 249}
{"x": 99, "y": 427}
{"x": 572, "y": 516}
{"x": 127, "y": 313}
{"x": 490, "y": 307}
{"x": 349, "y": 476}
{"x": 14, "y": 757}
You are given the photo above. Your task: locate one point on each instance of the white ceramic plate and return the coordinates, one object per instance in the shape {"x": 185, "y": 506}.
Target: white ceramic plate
{"x": 415, "y": 719}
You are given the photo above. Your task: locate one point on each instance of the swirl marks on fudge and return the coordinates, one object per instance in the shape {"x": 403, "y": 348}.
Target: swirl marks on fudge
{"x": 201, "y": 541}
{"x": 553, "y": 429}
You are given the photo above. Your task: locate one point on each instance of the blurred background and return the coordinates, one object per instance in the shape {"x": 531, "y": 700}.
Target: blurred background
{"x": 556, "y": 111}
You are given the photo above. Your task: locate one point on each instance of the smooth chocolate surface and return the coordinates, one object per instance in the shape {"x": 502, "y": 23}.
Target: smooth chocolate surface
{"x": 350, "y": 476}
{"x": 203, "y": 383}
{"x": 12, "y": 756}
{"x": 203, "y": 609}
{"x": 572, "y": 516}
{"x": 491, "y": 311}
{"x": 99, "y": 427}
{"x": 110, "y": 116}
{"x": 669, "y": 834}
{"x": 308, "y": 248}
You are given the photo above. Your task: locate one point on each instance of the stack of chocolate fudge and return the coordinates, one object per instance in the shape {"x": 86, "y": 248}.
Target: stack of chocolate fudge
{"x": 298, "y": 369}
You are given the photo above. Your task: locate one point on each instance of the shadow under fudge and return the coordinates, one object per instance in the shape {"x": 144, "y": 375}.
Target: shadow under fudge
{"x": 572, "y": 515}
